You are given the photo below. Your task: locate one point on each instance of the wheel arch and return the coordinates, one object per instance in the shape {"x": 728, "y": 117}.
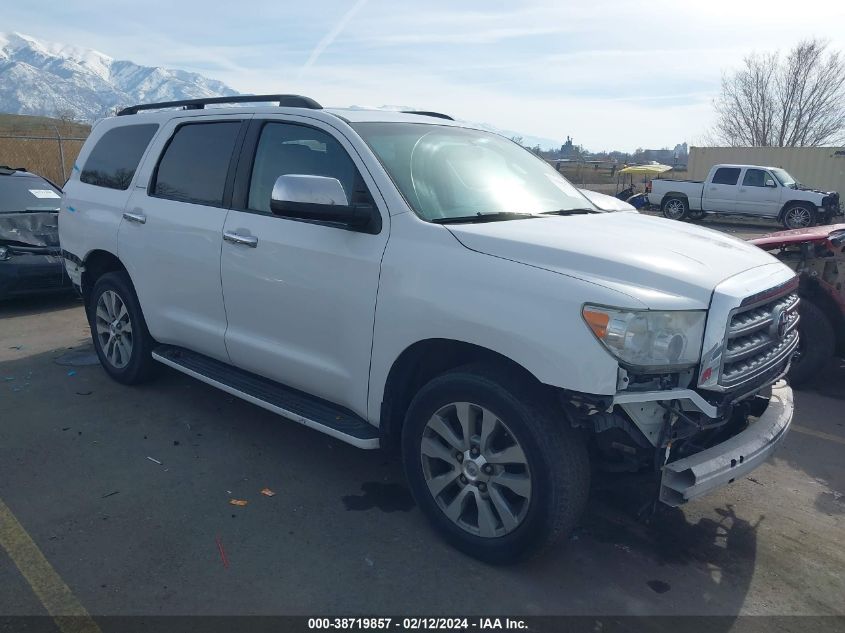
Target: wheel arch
{"x": 674, "y": 194}
{"x": 96, "y": 264}
{"x": 422, "y": 361}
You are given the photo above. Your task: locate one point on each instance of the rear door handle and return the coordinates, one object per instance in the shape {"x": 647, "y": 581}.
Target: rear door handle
{"x": 237, "y": 238}
{"x": 138, "y": 218}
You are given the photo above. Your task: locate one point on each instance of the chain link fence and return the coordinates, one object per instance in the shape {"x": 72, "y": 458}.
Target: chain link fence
{"x": 45, "y": 146}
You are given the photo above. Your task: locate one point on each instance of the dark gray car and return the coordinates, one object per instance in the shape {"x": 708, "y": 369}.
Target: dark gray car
{"x": 30, "y": 257}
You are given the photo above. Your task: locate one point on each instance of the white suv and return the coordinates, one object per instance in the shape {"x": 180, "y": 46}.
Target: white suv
{"x": 406, "y": 281}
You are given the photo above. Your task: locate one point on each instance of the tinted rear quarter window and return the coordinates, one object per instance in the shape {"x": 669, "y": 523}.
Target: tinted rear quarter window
{"x": 726, "y": 176}
{"x": 195, "y": 163}
{"x": 115, "y": 157}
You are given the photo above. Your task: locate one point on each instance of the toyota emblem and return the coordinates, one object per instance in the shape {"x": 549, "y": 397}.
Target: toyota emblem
{"x": 779, "y": 322}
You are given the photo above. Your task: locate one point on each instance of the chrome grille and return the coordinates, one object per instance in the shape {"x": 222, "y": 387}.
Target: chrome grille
{"x": 760, "y": 338}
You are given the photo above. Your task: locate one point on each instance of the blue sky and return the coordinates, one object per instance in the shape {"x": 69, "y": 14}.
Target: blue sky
{"x": 612, "y": 74}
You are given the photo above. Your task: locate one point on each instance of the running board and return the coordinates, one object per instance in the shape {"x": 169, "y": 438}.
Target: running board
{"x": 295, "y": 405}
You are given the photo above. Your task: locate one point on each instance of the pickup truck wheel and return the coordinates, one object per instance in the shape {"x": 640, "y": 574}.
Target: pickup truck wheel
{"x": 815, "y": 345}
{"x": 120, "y": 334}
{"x": 675, "y": 208}
{"x": 498, "y": 473}
{"x": 798, "y": 216}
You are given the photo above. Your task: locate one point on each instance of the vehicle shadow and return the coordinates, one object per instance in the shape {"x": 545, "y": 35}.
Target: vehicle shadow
{"x": 39, "y": 304}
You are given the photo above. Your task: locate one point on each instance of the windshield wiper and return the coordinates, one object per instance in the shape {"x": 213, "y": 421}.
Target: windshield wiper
{"x": 485, "y": 217}
{"x": 578, "y": 211}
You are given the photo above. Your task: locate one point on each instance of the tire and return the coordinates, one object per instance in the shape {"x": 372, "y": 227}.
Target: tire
{"x": 555, "y": 463}
{"x": 675, "y": 208}
{"x": 799, "y": 216}
{"x": 816, "y": 344}
{"x": 119, "y": 331}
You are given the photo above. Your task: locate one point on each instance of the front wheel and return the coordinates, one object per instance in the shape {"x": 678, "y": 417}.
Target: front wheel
{"x": 498, "y": 473}
{"x": 816, "y": 342}
{"x": 119, "y": 331}
{"x": 799, "y": 216}
{"x": 675, "y": 208}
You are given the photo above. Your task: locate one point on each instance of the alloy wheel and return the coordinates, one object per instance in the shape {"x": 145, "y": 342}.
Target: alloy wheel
{"x": 674, "y": 209}
{"x": 114, "y": 329}
{"x": 798, "y": 217}
{"x": 476, "y": 469}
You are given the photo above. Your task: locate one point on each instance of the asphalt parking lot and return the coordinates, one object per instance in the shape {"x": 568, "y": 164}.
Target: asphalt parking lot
{"x": 126, "y": 493}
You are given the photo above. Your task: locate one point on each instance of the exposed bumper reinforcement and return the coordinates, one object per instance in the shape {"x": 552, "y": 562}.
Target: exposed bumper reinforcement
{"x": 719, "y": 465}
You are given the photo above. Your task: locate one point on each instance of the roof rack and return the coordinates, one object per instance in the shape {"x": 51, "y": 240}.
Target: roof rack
{"x": 284, "y": 101}
{"x": 438, "y": 115}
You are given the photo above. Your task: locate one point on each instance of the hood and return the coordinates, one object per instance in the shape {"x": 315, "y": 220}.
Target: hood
{"x": 32, "y": 228}
{"x": 606, "y": 202}
{"x": 665, "y": 264}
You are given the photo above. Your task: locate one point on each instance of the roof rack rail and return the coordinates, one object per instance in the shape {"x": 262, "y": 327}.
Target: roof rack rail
{"x": 437, "y": 115}
{"x": 284, "y": 101}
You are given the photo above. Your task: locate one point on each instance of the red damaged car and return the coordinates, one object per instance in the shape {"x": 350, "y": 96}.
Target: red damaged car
{"x": 817, "y": 254}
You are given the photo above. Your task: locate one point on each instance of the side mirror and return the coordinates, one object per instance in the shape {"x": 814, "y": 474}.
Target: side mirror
{"x": 319, "y": 199}
{"x": 770, "y": 183}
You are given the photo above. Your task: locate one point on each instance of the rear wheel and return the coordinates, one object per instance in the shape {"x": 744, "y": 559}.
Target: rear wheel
{"x": 120, "y": 334}
{"x": 815, "y": 344}
{"x": 495, "y": 470}
{"x": 799, "y": 216}
{"x": 675, "y": 208}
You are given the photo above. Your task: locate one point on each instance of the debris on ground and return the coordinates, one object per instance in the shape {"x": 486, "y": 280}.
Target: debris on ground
{"x": 222, "y": 551}
{"x": 71, "y": 372}
{"x": 84, "y": 393}
{"x": 78, "y": 358}
{"x": 267, "y": 492}
{"x": 369, "y": 561}
{"x": 238, "y": 502}
{"x": 152, "y": 459}
{"x": 110, "y": 494}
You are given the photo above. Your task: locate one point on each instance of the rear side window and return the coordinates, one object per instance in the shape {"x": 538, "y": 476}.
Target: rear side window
{"x": 195, "y": 163}
{"x": 726, "y": 176}
{"x": 115, "y": 157}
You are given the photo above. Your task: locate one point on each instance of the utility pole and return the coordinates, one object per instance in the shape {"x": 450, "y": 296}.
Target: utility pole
{"x": 61, "y": 153}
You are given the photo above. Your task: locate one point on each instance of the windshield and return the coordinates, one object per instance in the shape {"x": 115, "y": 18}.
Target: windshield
{"x": 450, "y": 172}
{"x": 27, "y": 193}
{"x": 784, "y": 178}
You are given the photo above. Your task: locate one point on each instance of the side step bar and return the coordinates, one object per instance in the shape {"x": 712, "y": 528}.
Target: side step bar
{"x": 293, "y": 404}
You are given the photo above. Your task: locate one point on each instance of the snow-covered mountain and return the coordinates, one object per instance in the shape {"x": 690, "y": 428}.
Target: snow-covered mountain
{"x": 45, "y": 78}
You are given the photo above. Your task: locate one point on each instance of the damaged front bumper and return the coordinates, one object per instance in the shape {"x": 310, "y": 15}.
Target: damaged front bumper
{"x": 28, "y": 271}
{"x": 719, "y": 465}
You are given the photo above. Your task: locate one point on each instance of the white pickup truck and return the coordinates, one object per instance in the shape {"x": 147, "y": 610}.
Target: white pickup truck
{"x": 749, "y": 190}
{"x": 404, "y": 281}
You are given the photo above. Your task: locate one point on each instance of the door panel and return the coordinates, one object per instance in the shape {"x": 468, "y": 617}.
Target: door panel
{"x": 754, "y": 197}
{"x": 300, "y": 301}
{"x": 171, "y": 235}
{"x": 720, "y": 192}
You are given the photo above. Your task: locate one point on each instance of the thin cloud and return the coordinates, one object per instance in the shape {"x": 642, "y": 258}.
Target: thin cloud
{"x": 330, "y": 37}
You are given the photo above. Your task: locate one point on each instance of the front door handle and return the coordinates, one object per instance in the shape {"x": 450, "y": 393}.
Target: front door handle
{"x": 138, "y": 218}
{"x": 237, "y": 238}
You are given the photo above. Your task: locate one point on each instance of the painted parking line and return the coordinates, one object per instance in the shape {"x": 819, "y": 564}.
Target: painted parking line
{"x": 819, "y": 434}
{"x": 56, "y": 597}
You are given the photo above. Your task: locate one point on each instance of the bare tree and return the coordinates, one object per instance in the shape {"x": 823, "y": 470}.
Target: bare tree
{"x": 796, "y": 101}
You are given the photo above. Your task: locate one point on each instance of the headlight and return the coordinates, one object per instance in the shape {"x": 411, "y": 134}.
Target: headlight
{"x": 4, "y": 253}
{"x": 649, "y": 340}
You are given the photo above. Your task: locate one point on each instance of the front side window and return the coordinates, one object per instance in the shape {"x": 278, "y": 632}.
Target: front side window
{"x": 754, "y": 178}
{"x": 451, "y": 172}
{"x": 284, "y": 149}
{"x": 195, "y": 163}
{"x": 726, "y": 176}
{"x": 115, "y": 157}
